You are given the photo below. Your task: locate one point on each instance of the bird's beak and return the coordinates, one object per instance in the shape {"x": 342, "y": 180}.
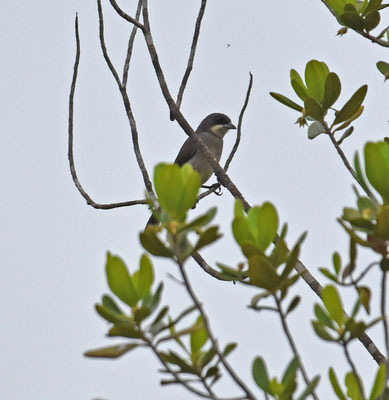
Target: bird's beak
{"x": 230, "y": 126}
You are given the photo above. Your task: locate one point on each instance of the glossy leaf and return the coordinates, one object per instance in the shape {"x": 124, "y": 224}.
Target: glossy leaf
{"x": 315, "y": 77}
{"x": 260, "y": 375}
{"x": 229, "y": 348}
{"x": 298, "y": 85}
{"x": 241, "y": 231}
{"x": 332, "y": 90}
{"x": 109, "y": 315}
{"x": 119, "y": 280}
{"x": 141, "y": 314}
{"x": 111, "y": 351}
{"x": 352, "y": 106}
{"x": 335, "y": 385}
{"x": 336, "y": 5}
{"x": 377, "y": 167}
{"x": 125, "y": 329}
{"x": 200, "y": 221}
{"x": 207, "y": 237}
{"x": 291, "y": 371}
{"x": 110, "y": 303}
{"x": 239, "y": 209}
{"x": 337, "y": 261}
{"x": 153, "y": 244}
{"x": 374, "y": 5}
{"x": 263, "y": 224}
{"x": 322, "y": 332}
{"x": 313, "y": 108}
{"x": 333, "y": 303}
{"x": 323, "y": 317}
{"x": 285, "y": 101}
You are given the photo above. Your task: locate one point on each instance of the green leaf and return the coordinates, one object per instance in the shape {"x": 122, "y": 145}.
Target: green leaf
{"x": 229, "y": 348}
{"x": 279, "y": 254}
{"x": 382, "y": 228}
{"x": 315, "y": 78}
{"x": 332, "y": 90}
{"x": 153, "y": 244}
{"x": 291, "y": 371}
{"x": 333, "y": 303}
{"x": 239, "y": 208}
{"x": 261, "y": 376}
{"x": 199, "y": 336}
{"x": 174, "y": 358}
{"x": 372, "y": 19}
{"x": 326, "y": 272}
{"x": 293, "y": 257}
{"x": 177, "y": 188}
{"x": 352, "y": 106}
{"x": 160, "y": 316}
{"x": 200, "y": 221}
{"x": 323, "y": 317}
{"x": 293, "y": 304}
{"x": 298, "y": 85}
{"x": 109, "y": 315}
{"x": 383, "y": 67}
{"x": 144, "y": 277}
{"x": 374, "y": 5}
{"x": 141, "y": 314}
{"x": 241, "y": 231}
{"x": 111, "y": 351}
{"x": 315, "y": 129}
{"x": 379, "y": 383}
{"x": 377, "y": 167}
{"x": 336, "y": 5}
{"x": 335, "y": 385}
{"x": 365, "y": 297}
{"x": 337, "y": 261}
{"x": 352, "y": 20}
{"x": 360, "y": 176}
{"x": 119, "y": 280}
{"x": 285, "y": 101}
{"x": 352, "y": 387}
{"x": 346, "y": 134}
{"x": 207, "y": 237}
{"x": 313, "y": 108}
{"x": 310, "y": 388}
{"x": 263, "y": 224}
{"x": 126, "y": 329}
{"x": 109, "y": 303}
{"x": 262, "y": 273}
{"x": 322, "y": 332}
{"x": 152, "y": 301}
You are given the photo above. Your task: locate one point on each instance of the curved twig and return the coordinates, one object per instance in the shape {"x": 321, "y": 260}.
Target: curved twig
{"x": 127, "y": 106}
{"x": 191, "y": 56}
{"x": 239, "y": 130}
{"x": 125, "y": 15}
{"x": 131, "y": 45}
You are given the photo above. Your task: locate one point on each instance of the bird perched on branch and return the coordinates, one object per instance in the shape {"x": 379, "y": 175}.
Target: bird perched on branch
{"x": 211, "y": 131}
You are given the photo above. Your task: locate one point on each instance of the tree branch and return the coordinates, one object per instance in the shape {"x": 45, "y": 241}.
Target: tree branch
{"x": 191, "y": 56}
{"x": 131, "y": 45}
{"x": 126, "y": 16}
{"x": 214, "y": 342}
{"x": 293, "y": 344}
{"x": 240, "y": 120}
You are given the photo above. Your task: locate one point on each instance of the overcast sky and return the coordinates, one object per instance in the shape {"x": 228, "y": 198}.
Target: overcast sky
{"x": 54, "y": 245}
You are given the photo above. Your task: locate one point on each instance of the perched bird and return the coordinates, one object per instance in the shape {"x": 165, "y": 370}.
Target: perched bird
{"x": 211, "y": 131}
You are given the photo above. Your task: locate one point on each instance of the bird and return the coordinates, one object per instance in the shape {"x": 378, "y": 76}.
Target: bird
{"x": 211, "y": 131}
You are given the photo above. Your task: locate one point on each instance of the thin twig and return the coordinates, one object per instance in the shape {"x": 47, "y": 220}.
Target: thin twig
{"x": 131, "y": 45}
{"x": 127, "y": 105}
{"x": 207, "y": 268}
{"x": 214, "y": 342}
{"x": 385, "y": 323}
{"x": 293, "y": 344}
{"x": 73, "y": 171}
{"x": 345, "y": 160}
{"x": 361, "y": 276}
{"x": 240, "y": 120}
{"x": 126, "y": 16}
{"x": 354, "y": 369}
{"x": 191, "y": 56}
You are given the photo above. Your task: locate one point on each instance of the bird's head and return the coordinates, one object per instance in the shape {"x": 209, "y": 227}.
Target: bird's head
{"x": 217, "y": 123}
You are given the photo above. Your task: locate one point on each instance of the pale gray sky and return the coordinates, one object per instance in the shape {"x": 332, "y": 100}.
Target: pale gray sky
{"x": 54, "y": 245}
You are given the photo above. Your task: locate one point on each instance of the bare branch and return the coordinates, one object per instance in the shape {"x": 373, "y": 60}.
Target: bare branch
{"x": 293, "y": 344}
{"x": 73, "y": 171}
{"x": 214, "y": 342}
{"x": 191, "y": 56}
{"x": 126, "y": 16}
{"x": 354, "y": 282}
{"x": 127, "y": 106}
{"x": 239, "y": 130}
{"x": 131, "y": 45}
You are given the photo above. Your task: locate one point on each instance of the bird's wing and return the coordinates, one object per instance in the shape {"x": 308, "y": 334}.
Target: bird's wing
{"x": 187, "y": 151}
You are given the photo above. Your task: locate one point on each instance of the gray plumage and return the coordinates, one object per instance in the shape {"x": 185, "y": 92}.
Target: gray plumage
{"x": 211, "y": 131}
